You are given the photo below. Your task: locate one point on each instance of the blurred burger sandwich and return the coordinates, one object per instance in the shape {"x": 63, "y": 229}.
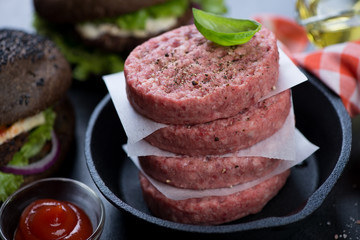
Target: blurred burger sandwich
{"x": 36, "y": 119}
{"x": 95, "y": 36}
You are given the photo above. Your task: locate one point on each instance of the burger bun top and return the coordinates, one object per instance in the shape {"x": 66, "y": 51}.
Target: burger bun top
{"x": 73, "y": 11}
{"x": 33, "y": 75}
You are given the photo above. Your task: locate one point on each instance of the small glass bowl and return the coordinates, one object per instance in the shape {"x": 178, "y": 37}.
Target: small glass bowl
{"x": 62, "y": 189}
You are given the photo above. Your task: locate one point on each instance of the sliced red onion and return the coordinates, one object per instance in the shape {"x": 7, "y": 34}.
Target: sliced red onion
{"x": 38, "y": 166}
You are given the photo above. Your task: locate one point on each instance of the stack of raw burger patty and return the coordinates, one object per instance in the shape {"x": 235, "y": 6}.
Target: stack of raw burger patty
{"x": 209, "y": 96}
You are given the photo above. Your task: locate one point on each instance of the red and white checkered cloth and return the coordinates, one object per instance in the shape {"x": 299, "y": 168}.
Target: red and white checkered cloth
{"x": 338, "y": 66}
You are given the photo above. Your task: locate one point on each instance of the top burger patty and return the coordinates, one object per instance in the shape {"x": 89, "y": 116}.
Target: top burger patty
{"x": 180, "y": 77}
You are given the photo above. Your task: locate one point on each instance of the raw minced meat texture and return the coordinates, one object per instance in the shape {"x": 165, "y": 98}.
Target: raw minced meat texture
{"x": 181, "y": 77}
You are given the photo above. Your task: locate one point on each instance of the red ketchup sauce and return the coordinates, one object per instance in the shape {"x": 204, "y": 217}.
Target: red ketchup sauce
{"x": 51, "y": 219}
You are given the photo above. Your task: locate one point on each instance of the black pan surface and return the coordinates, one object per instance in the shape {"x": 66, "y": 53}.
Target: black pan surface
{"x": 320, "y": 116}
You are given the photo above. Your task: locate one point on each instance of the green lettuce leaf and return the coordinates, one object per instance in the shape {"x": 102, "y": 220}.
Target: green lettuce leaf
{"x": 175, "y": 8}
{"x": 212, "y": 6}
{"x": 35, "y": 142}
{"x": 137, "y": 20}
{"x": 131, "y": 21}
{"x": 9, "y": 184}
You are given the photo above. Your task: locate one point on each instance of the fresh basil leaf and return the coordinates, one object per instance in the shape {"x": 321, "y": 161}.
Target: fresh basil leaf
{"x": 224, "y": 31}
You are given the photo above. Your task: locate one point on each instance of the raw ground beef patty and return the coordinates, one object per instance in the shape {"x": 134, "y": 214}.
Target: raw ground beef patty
{"x": 214, "y": 209}
{"x": 206, "y": 172}
{"x": 226, "y": 135}
{"x": 180, "y": 77}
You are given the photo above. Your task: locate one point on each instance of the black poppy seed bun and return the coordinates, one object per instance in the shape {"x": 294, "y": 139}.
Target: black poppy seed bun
{"x": 33, "y": 75}
{"x": 73, "y": 11}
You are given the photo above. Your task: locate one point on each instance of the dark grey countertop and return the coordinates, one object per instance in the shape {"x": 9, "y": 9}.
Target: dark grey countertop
{"x": 337, "y": 218}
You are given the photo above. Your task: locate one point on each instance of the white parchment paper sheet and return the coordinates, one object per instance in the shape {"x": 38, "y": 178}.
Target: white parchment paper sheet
{"x": 280, "y": 145}
{"x": 303, "y": 149}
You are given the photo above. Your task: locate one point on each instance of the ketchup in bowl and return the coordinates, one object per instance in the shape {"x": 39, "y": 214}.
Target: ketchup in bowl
{"x": 52, "y": 219}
